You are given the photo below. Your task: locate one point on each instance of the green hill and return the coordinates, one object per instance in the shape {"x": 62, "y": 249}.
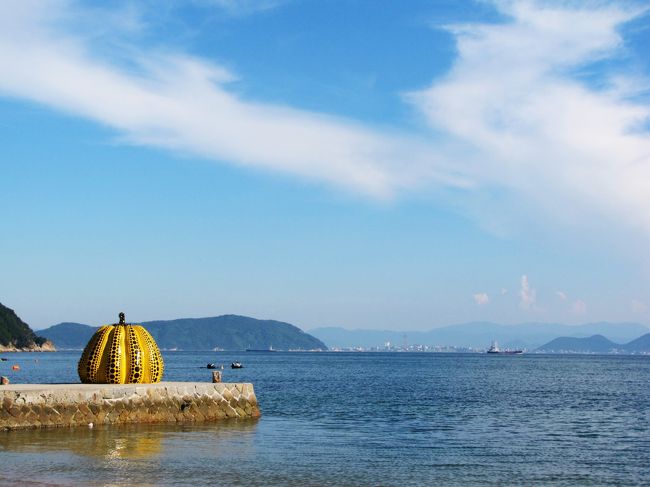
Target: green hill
{"x": 592, "y": 344}
{"x": 15, "y": 333}
{"x": 640, "y": 345}
{"x": 227, "y": 332}
{"x": 69, "y": 336}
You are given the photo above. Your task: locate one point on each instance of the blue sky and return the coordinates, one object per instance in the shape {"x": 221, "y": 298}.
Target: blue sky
{"x": 365, "y": 164}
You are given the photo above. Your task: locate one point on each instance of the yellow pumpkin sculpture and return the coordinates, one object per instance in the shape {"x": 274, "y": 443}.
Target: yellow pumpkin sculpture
{"x": 122, "y": 353}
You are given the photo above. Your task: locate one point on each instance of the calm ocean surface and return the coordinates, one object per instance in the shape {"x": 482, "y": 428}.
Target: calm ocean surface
{"x": 352, "y": 419}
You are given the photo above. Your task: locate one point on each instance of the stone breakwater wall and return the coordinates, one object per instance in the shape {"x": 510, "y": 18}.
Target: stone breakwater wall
{"x": 58, "y": 405}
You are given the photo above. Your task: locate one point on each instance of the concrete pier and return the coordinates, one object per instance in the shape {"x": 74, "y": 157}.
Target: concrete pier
{"x": 60, "y": 405}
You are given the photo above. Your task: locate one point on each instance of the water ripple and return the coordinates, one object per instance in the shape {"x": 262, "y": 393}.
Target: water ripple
{"x": 367, "y": 419}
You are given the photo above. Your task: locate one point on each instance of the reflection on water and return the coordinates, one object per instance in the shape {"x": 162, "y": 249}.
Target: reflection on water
{"x": 121, "y": 454}
{"x": 130, "y": 441}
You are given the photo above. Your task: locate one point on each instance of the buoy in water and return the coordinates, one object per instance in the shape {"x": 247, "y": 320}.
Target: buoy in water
{"x": 15, "y": 367}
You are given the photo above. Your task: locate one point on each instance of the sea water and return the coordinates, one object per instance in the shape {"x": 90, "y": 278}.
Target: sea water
{"x": 348, "y": 419}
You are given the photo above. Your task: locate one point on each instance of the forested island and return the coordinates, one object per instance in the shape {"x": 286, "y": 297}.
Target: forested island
{"x": 16, "y": 335}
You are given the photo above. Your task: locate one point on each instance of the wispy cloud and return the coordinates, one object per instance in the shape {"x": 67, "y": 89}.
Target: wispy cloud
{"x": 530, "y": 128}
{"x": 638, "y": 306}
{"x": 481, "y": 299}
{"x": 579, "y": 307}
{"x": 527, "y": 295}
{"x": 182, "y": 103}
{"x": 242, "y": 7}
{"x": 511, "y": 116}
{"x": 561, "y": 295}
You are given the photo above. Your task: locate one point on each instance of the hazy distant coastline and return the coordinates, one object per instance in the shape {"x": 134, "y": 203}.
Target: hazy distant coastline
{"x": 477, "y": 336}
{"x": 234, "y": 332}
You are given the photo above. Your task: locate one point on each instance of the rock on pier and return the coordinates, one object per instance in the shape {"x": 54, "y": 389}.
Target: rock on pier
{"x": 58, "y": 405}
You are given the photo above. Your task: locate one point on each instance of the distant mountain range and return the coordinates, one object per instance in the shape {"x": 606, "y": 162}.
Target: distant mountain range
{"x": 596, "y": 344}
{"x": 227, "y": 332}
{"x": 15, "y": 334}
{"x": 478, "y": 335}
{"x": 233, "y": 332}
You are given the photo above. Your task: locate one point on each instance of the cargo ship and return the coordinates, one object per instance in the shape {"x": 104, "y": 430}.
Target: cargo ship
{"x": 494, "y": 348}
{"x": 270, "y": 349}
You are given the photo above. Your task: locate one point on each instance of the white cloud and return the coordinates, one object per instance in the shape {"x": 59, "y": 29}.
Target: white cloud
{"x": 527, "y": 296}
{"x": 638, "y": 306}
{"x": 561, "y": 296}
{"x": 579, "y": 307}
{"x": 481, "y": 299}
{"x": 531, "y": 130}
{"x": 510, "y": 117}
{"x": 504, "y": 291}
{"x": 183, "y": 103}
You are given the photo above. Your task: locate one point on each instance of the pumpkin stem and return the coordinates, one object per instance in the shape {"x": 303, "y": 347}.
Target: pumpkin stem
{"x": 122, "y": 322}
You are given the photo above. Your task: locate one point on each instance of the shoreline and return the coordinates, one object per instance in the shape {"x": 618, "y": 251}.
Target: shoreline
{"x": 36, "y": 348}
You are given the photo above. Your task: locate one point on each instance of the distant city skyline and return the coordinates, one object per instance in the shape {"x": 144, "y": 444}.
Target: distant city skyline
{"x": 358, "y": 164}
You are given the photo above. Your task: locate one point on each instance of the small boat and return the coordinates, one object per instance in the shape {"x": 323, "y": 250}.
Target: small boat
{"x": 494, "y": 348}
{"x": 210, "y": 366}
{"x": 236, "y": 365}
{"x": 2, "y": 359}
